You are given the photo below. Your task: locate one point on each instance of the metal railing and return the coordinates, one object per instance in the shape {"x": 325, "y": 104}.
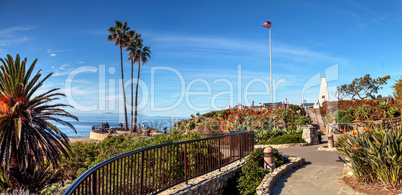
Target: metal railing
{"x": 153, "y": 169}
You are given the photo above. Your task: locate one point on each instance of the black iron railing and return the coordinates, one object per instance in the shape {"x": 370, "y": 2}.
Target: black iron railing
{"x": 156, "y": 168}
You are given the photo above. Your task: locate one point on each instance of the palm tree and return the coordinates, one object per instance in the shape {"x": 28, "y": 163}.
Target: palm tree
{"x": 118, "y": 33}
{"x": 133, "y": 38}
{"x": 140, "y": 54}
{"x": 27, "y": 135}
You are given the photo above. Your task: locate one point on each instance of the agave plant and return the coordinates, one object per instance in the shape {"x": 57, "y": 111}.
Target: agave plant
{"x": 374, "y": 155}
{"x": 28, "y": 136}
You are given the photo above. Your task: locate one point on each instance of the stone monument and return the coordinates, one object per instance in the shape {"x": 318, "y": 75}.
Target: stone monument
{"x": 323, "y": 91}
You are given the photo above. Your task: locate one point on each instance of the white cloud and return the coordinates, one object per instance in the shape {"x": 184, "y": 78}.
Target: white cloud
{"x": 9, "y": 32}
{"x": 78, "y": 91}
{"x": 11, "y": 41}
{"x": 78, "y": 81}
{"x": 64, "y": 66}
{"x": 8, "y": 36}
{"x": 60, "y": 73}
{"x": 199, "y": 46}
{"x": 80, "y": 62}
{"x": 53, "y": 52}
{"x": 65, "y": 70}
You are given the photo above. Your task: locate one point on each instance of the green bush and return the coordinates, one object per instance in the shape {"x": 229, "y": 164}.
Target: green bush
{"x": 217, "y": 113}
{"x": 346, "y": 119}
{"x": 253, "y": 171}
{"x": 339, "y": 114}
{"x": 343, "y": 116}
{"x": 82, "y": 155}
{"x": 375, "y": 155}
{"x": 286, "y": 139}
{"x": 294, "y": 107}
{"x": 302, "y": 121}
{"x": 86, "y": 155}
{"x": 264, "y": 135}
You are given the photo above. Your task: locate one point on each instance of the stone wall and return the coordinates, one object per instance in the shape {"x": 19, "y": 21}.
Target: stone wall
{"x": 97, "y": 135}
{"x": 210, "y": 183}
{"x": 281, "y": 145}
{"x": 269, "y": 180}
{"x": 347, "y": 169}
{"x": 310, "y": 134}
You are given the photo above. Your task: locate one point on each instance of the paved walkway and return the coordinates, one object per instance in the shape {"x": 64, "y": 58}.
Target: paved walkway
{"x": 321, "y": 174}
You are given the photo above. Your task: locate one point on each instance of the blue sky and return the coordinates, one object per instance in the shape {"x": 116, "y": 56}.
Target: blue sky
{"x": 204, "y": 46}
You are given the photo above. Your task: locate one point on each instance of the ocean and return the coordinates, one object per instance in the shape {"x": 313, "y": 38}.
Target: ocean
{"x": 85, "y": 123}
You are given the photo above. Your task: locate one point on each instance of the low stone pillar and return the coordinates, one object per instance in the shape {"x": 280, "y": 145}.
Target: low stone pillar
{"x": 269, "y": 159}
{"x": 330, "y": 141}
{"x": 310, "y": 134}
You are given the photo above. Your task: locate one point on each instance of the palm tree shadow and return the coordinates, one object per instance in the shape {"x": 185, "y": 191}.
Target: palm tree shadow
{"x": 280, "y": 184}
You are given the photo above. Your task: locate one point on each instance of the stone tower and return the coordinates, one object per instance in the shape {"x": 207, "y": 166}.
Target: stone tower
{"x": 323, "y": 91}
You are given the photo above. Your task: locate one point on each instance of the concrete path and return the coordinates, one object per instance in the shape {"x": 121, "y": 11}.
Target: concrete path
{"x": 321, "y": 175}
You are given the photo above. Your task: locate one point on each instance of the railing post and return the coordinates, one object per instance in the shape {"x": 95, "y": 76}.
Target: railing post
{"x": 219, "y": 152}
{"x": 240, "y": 147}
{"x": 185, "y": 162}
{"x": 94, "y": 192}
{"x": 142, "y": 173}
{"x": 231, "y": 147}
{"x": 252, "y": 137}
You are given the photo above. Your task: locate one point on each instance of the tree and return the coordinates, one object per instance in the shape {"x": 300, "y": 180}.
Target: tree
{"x": 118, "y": 33}
{"x": 363, "y": 87}
{"x": 27, "y": 135}
{"x": 139, "y": 53}
{"x": 398, "y": 89}
{"x": 133, "y": 38}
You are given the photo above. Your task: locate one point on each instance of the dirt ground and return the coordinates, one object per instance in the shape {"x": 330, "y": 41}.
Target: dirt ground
{"x": 376, "y": 188}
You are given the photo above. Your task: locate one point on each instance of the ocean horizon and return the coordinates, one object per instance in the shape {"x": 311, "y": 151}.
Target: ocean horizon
{"x": 85, "y": 123}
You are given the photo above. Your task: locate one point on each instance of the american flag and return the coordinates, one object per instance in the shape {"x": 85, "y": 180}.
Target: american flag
{"x": 267, "y": 24}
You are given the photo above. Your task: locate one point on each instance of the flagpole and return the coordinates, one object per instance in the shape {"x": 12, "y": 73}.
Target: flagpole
{"x": 270, "y": 66}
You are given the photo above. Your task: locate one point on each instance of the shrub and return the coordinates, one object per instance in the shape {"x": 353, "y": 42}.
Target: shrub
{"x": 374, "y": 156}
{"x": 302, "y": 121}
{"x": 286, "y": 139}
{"x": 345, "y": 104}
{"x": 82, "y": 155}
{"x": 339, "y": 114}
{"x": 209, "y": 126}
{"x": 346, "y": 119}
{"x": 253, "y": 171}
{"x": 86, "y": 155}
{"x": 294, "y": 107}
{"x": 264, "y": 135}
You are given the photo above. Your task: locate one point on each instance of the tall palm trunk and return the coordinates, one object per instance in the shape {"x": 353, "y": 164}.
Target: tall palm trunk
{"x": 124, "y": 91}
{"x": 132, "y": 98}
{"x": 136, "y": 93}
{"x": 14, "y": 172}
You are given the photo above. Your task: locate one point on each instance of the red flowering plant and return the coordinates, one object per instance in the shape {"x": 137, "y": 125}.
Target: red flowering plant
{"x": 366, "y": 110}
{"x": 244, "y": 118}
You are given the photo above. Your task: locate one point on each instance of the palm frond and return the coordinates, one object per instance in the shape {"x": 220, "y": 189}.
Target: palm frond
{"x": 28, "y": 136}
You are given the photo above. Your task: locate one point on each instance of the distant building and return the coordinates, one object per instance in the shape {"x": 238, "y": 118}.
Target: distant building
{"x": 323, "y": 91}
